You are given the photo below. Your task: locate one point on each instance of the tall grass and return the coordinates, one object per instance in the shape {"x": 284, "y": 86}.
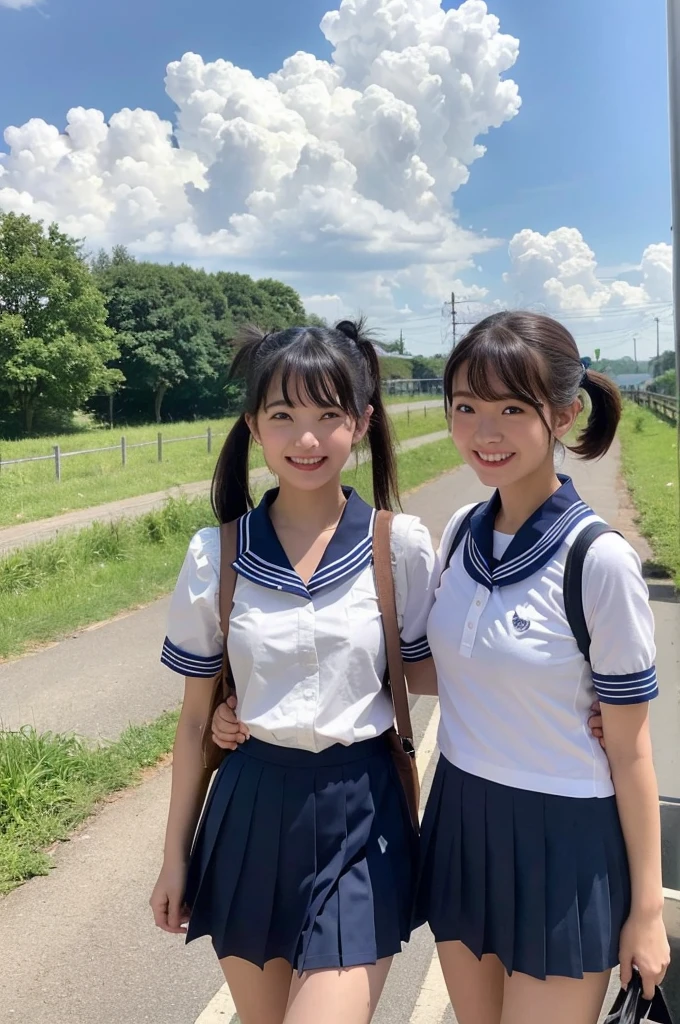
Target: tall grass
{"x": 49, "y": 784}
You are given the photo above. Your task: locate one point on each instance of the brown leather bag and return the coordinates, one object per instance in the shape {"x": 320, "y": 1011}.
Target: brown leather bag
{"x": 401, "y": 739}
{"x": 223, "y": 685}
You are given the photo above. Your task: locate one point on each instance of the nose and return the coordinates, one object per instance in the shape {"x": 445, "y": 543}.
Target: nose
{"x": 488, "y": 430}
{"x": 307, "y": 440}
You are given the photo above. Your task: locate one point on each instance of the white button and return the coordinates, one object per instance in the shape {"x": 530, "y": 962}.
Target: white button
{"x": 470, "y": 625}
{"x": 478, "y": 603}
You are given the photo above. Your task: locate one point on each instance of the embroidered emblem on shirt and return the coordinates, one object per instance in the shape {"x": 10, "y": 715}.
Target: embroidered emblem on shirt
{"x": 520, "y": 624}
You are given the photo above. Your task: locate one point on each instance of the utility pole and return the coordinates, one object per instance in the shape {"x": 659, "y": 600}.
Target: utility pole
{"x": 401, "y": 343}
{"x": 453, "y": 316}
{"x": 657, "y": 336}
{"x": 673, "y": 12}
{"x": 635, "y": 351}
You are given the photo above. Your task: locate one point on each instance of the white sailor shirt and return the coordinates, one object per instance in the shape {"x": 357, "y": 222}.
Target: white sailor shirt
{"x": 515, "y": 690}
{"x": 308, "y": 661}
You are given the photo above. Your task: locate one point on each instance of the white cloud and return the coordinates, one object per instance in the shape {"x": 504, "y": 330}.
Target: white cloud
{"x": 560, "y": 270}
{"x": 17, "y": 5}
{"x": 347, "y": 165}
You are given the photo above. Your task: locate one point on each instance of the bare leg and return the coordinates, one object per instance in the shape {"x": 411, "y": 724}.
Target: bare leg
{"x": 475, "y": 986}
{"x": 260, "y": 996}
{"x": 337, "y": 996}
{"x": 558, "y": 1000}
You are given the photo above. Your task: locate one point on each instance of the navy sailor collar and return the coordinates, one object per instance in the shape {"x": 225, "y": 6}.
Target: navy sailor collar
{"x": 533, "y": 545}
{"x": 261, "y": 558}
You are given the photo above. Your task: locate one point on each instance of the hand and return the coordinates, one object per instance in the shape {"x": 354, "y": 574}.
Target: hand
{"x": 167, "y": 899}
{"x": 227, "y": 731}
{"x": 644, "y": 944}
{"x": 595, "y": 723}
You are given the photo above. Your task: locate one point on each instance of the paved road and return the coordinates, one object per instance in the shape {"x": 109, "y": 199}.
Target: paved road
{"x": 78, "y": 947}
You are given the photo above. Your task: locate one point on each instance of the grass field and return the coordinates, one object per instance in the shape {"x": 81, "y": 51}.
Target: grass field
{"x": 29, "y": 491}
{"x": 48, "y": 784}
{"x": 649, "y": 458}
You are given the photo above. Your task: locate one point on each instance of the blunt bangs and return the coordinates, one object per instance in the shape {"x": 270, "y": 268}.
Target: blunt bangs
{"x": 310, "y": 372}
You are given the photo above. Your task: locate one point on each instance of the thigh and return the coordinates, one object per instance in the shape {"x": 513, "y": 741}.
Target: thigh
{"x": 337, "y": 995}
{"x": 260, "y": 996}
{"x": 475, "y": 986}
{"x": 558, "y": 1000}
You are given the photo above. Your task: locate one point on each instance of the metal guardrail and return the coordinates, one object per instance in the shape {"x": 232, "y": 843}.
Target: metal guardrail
{"x": 665, "y": 406}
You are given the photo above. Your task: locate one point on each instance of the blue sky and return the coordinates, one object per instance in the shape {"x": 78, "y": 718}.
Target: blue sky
{"x": 588, "y": 149}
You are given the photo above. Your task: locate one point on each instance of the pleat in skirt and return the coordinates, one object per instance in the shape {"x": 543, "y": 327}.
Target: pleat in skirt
{"x": 308, "y": 857}
{"x": 541, "y": 881}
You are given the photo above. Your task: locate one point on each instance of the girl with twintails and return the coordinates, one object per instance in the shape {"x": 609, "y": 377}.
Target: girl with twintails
{"x": 303, "y": 867}
{"x": 540, "y": 862}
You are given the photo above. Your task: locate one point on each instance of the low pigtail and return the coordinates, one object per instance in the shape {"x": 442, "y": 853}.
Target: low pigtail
{"x": 379, "y": 435}
{"x": 605, "y": 413}
{"x": 230, "y": 493}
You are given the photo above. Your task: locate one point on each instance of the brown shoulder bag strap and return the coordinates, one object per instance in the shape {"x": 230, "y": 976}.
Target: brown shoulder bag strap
{"x": 227, "y": 587}
{"x": 384, "y": 580}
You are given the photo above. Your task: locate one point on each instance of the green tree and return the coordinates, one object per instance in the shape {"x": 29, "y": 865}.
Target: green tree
{"x": 664, "y": 384}
{"x": 269, "y": 304}
{"x": 173, "y": 324}
{"x": 660, "y": 365}
{"x": 54, "y": 341}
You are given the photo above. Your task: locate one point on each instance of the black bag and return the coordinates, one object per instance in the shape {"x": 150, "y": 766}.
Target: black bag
{"x": 630, "y": 1008}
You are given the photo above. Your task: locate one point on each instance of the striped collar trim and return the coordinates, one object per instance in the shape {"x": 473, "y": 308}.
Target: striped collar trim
{"x": 262, "y": 560}
{"x": 533, "y": 545}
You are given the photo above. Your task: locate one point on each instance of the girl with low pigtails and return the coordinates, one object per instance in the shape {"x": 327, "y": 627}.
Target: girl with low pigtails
{"x": 303, "y": 867}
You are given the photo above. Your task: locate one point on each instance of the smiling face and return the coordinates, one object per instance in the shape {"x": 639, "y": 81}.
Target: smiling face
{"x": 304, "y": 444}
{"x": 504, "y": 438}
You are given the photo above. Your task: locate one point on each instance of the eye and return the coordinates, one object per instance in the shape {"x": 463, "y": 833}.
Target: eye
{"x": 332, "y": 415}
{"x": 462, "y": 407}
{"x": 281, "y": 416}
{"x": 512, "y": 410}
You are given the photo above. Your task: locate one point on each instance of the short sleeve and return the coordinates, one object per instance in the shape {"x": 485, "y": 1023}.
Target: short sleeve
{"x": 620, "y": 623}
{"x": 414, "y": 564}
{"x": 193, "y": 645}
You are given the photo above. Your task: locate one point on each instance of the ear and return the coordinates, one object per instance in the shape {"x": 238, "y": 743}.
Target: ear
{"x": 362, "y": 425}
{"x": 252, "y": 426}
{"x": 564, "y": 419}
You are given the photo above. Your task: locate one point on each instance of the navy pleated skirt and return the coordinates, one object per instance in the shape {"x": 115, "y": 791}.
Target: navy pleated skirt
{"x": 541, "y": 881}
{"x": 309, "y": 857}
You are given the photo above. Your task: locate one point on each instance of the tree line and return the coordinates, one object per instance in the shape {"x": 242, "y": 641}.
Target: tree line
{"x": 111, "y": 333}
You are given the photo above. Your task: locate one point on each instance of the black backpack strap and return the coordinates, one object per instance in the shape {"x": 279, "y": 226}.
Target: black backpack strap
{"x": 573, "y": 584}
{"x": 463, "y": 527}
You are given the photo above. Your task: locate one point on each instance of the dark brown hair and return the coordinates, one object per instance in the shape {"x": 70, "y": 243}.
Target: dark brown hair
{"x": 331, "y": 366}
{"x": 536, "y": 360}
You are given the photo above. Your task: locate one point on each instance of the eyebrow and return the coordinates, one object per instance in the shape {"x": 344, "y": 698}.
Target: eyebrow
{"x": 278, "y": 402}
{"x": 499, "y": 398}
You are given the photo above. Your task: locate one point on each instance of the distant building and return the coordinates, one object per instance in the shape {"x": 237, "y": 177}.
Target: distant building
{"x": 632, "y": 381}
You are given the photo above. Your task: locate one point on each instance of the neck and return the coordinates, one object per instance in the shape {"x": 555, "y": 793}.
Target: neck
{"x": 520, "y": 500}
{"x": 308, "y": 511}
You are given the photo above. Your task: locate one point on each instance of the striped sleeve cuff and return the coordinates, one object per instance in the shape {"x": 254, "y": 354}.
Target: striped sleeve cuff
{"x": 417, "y": 650}
{"x": 189, "y": 664}
{"x": 635, "y": 688}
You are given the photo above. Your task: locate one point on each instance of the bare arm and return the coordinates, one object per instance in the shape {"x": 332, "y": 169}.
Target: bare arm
{"x": 421, "y": 677}
{"x": 189, "y": 785}
{"x": 629, "y": 749}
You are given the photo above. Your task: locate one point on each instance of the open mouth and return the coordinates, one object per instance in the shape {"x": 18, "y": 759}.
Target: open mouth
{"x": 306, "y": 465}
{"x": 494, "y": 459}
